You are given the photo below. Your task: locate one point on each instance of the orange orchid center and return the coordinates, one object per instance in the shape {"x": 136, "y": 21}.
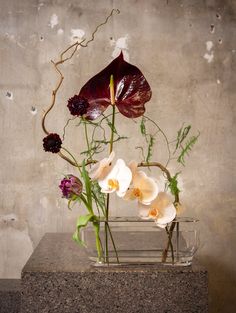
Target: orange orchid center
{"x": 153, "y": 213}
{"x": 137, "y": 193}
{"x": 113, "y": 184}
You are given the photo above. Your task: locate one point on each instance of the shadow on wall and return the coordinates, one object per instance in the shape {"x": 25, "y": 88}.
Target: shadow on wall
{"x": 222, "y": 285}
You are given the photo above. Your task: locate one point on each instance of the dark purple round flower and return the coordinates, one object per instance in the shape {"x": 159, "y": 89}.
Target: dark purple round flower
{"x": 78, "y": 105}
{"x": 71, "y": 186}
{"x": 52, "y": 143}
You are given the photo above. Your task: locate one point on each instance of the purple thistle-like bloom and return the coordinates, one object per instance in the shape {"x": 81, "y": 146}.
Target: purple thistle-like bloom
{"x": 78, "y": 105}
{"x": 52, "y": 143}
{"x": 71, "y": 186}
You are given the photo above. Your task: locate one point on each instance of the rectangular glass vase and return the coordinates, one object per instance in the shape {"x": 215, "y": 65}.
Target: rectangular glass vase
{"x": 136, "y": 241}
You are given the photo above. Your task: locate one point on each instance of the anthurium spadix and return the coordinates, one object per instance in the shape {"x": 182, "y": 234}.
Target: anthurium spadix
{"x": 131, "y": 90}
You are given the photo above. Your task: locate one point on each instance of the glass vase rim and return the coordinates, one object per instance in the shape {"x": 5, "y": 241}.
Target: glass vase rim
{"x": 130, "y": 219}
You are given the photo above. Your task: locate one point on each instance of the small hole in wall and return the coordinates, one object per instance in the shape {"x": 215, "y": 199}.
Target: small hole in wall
{"x": 9, "y": 95}
{"x": 218, "y": 16}
{"x": 220, "y": 41}
{"x": 212, "y": 28}
{"x": 33, "y": 110}
{"x": 41, "y": 38}
{"x": 111, "y": 38}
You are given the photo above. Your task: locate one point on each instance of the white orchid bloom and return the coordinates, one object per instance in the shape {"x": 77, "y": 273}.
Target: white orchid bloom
{"x": 144, "y": 188}
{"x": 101, "y": 168}
{"x": 161, "y": 210}
{"x": 117, "y": 180}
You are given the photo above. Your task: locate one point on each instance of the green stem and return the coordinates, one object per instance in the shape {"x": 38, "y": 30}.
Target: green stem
{"x": 112, "y": 98}
{"x": 112, "y": 125}
{"x": 96, "y": 226}
{"x": 106, "y": 229}
{"x": 169, "y": 244}
{"x": 85, "y": 202}
{"x": 74, "y": 159}
{"x": 113, "y": 242}
{"x": 86, "y": 137}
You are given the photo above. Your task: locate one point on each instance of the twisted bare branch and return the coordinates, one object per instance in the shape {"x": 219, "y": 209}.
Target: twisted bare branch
{"x": 72, "y": 48}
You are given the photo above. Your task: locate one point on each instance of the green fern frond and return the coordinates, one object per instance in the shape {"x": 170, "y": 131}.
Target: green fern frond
{"x": 173, "y": 185}
{"x": 143, "y": 127}
{"x": 150, "y": 148}
{"x": 181, "y": 135}
{"x": 106, "y": 142}
{"x": 186, "y": 149}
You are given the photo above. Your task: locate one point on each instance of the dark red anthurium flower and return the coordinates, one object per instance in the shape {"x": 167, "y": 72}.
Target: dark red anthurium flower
{"x": 131, "y": 89}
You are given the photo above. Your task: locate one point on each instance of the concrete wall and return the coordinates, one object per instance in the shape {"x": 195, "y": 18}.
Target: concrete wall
{"x": 186, "y": 49}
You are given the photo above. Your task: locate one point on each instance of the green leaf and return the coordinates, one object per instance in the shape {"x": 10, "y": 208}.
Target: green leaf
{"x": 178, "y": 138}
{"x": 82, "y": 221}
{"x": 150, "y": 148}
{"x": 87, "y": 183}
{"x": 72, "y": 201}
{"x": 185, "y": 133}
{"x": 173, "y": 185}
{"x": 187, "y": 148}
{"x": 143, "y": 127}
{"x": 181, "y": 135}
{"x": 98, "y": 196}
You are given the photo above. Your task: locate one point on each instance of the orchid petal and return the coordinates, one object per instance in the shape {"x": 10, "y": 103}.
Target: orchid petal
{"x": 161, "y": 225}
{"x": 147, "y": 185}
{"x": 161, "y": 201}
{"x": 164, "y": 208}
{"x": 129, "y": 195}
{"x": 133, "y": 165}
{"x": 144, "y": 211}
{"x": 121, "y": 174}
{"x": 124, "y": 177}
{"x": 102, "y": 168}
{"x": 103, "y": 183}
{"x": 167, "y": 215}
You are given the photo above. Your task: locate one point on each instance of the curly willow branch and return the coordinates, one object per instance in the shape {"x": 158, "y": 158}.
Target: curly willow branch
{"x": 73, "y": 48}
{"x": 164, "y": 169}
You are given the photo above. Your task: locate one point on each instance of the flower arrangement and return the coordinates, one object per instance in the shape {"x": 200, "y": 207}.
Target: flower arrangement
{"x": 120, "y": 88}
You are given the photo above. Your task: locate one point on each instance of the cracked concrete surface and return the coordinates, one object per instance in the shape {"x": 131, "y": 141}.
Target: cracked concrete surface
{"x": 186, "y": 49}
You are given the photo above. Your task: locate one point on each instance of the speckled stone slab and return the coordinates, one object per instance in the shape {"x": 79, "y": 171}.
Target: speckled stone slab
{"x": 59, "y": 278}
{"x": 10, "y": 295}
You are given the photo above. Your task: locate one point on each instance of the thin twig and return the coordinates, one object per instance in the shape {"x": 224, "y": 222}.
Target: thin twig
{"x": 164, "y": 169}
{"x": 74, "y": 47}
{"x": 164, "y": 135}
{"x": 64, "y": 128}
